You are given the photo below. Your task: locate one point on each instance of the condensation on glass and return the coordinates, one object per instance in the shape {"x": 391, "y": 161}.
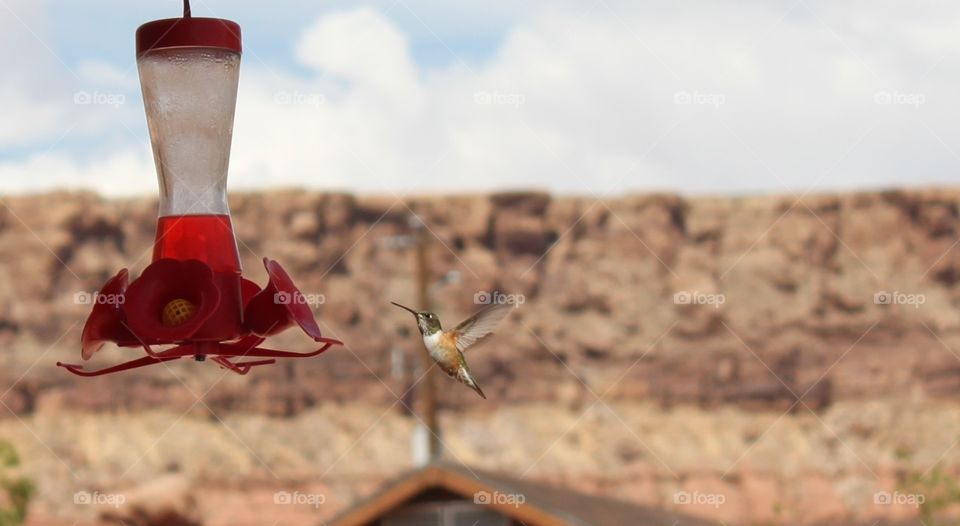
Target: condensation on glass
{"x": 190, "y": 96}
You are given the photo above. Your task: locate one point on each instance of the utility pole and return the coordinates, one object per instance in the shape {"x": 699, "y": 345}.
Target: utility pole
{"x": 426, "y": 445}
{"x": 426, "y": 387}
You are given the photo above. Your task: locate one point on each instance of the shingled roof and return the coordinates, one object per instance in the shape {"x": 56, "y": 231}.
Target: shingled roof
{"x": 544, "y": 505}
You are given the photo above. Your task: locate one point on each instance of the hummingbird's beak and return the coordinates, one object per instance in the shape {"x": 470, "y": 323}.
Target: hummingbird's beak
{"x": 405, "y": 308}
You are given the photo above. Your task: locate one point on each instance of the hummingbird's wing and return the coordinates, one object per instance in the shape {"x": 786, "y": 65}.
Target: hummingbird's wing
{"x": 479, "y": 325}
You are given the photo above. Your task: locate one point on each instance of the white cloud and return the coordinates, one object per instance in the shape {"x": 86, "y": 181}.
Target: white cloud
{"x": 364, "y": 48}
{"x": 704, "y": 96}
{"x": 122, "y": 173}
{"x": 43, "y": 97}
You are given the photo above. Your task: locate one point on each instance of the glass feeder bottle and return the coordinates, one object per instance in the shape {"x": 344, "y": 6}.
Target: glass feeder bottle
{"x": 189, "y": 72}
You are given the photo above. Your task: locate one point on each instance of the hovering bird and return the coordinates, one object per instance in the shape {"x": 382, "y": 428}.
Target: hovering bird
{"x": 446, "y": 347}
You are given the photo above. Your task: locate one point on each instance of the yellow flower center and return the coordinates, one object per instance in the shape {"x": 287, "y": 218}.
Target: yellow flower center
{"x": 177, "y": 312}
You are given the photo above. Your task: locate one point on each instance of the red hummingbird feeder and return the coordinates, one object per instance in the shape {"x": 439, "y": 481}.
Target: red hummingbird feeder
{"x": 192, "y": 295}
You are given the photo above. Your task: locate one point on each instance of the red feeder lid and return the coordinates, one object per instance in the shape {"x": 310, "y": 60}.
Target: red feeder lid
{"x": 188, "y": 32}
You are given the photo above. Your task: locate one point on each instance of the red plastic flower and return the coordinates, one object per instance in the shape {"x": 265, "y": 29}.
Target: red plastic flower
{"x": 248, "y": 290}
{"x": 278, "y": 305}
{"x": 105, "y": 322}
{"x": 165, "y": 284}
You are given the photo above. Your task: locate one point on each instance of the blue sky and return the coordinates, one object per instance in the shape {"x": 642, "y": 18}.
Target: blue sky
{"x": 79, "y": 29}
{"x": 591, "y": 97}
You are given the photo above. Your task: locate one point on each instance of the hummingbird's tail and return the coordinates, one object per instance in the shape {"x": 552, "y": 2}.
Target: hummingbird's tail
{"x": 479, "y": 391}
{"x": 467, "y": 379}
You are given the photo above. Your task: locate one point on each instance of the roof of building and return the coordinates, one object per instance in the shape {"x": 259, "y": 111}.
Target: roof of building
{"x": 543, "y": 505}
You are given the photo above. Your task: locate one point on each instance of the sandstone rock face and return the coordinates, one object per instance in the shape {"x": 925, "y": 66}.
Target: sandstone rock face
{"x": 752, "y": 306}
{"x": 757, "y": 287}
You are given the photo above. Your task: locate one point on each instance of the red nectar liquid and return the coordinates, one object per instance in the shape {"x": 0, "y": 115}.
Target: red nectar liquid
{"x": 207, "y": 237}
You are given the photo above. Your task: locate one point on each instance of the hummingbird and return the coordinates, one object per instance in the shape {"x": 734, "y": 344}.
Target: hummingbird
{"x": 446, "y": 347}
